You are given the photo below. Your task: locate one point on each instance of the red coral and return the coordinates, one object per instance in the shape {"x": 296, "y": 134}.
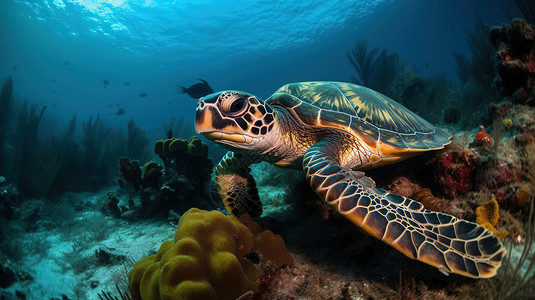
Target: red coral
{"x": 482, "y": 136}
{"x": 456, "y": 171}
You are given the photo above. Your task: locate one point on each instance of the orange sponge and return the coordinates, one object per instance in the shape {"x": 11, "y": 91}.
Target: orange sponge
{"x": 487, "y": 217}
{"x": 206, "y": 260}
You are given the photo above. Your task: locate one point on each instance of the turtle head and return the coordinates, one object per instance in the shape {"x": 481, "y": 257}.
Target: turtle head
{"x": 238, "y": 120}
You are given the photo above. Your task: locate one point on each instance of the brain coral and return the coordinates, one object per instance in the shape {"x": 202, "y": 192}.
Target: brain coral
{"x": 206, "y": 259}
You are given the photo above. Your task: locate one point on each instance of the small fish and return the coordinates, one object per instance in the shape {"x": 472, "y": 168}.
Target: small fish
{"x": 66, "y": 63}
{"x": 110, "y": 105}
{"x": 120, "y": 112}
{"x": 127, "y": 83}
{"x": 53, "y": 92}
{"x": 105, "y": 83}
{"x": 52, "y": 80}
{"x": 15, "y": 68}
{"x": 198, "y": 90}
{"x": 143, "y": 95}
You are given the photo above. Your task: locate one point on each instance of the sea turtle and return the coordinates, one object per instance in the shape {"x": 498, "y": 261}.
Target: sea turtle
{"x": 333, "y": 131}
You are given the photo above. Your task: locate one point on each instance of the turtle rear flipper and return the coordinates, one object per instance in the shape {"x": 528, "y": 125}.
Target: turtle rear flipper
{"x": 440, "y": 240}
{"x": 237, "y": 187}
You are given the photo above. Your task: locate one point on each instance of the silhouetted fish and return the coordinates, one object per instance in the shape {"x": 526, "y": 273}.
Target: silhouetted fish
{"x": 143, "y": 95}
{"x": 127, "y": 83}
{"x": 52, "y": 80}
{"x": 105, "y": 83}
{"x": 120, "y": 112}
{"x": 15, "y": 68}
{"x": 66, "y": 63}
{"x": 198, "y": 90}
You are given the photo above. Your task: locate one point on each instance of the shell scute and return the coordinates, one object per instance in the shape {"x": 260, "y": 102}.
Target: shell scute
{"x": 363, "y": 112}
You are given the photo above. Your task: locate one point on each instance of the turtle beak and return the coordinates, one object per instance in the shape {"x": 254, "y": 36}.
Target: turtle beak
{"x": 205, "y": 118}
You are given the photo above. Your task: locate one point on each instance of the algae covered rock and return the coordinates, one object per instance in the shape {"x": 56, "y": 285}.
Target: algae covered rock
{"x": 176, "y": 185}
{"x": 197, "y": 148}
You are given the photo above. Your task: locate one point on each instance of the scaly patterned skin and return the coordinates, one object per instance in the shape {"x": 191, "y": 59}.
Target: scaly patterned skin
{"x": 331, "y": 130}
{"x": 237, "y": 187}
{"x": 437, "y": 239}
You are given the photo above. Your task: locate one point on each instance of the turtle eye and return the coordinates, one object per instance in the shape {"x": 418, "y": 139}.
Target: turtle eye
{"x": 237, "y": 105}
{"x": 234, "y": 106}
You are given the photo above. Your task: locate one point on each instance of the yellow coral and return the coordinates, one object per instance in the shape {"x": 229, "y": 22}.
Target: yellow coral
{"x": 487, "y": 217}
{"x": 206, "y": 260}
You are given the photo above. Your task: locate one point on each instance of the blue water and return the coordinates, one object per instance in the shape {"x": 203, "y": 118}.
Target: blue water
{"x": 64, "y": 49}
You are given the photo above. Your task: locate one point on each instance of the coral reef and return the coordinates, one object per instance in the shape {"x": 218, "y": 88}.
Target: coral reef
{"x": 482, "y": 142}
{"x": 456, "y": 170}
{"x": 130, "y": 172}
{"x": 186, "y": 157}
{"x": 516, "y": 60}
{"x": 487, "y": 216}
{"x": 177, "y": 185}
{"x": 212, "y": 256}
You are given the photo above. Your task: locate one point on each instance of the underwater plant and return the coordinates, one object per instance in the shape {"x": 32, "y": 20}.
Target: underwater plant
{"x": 137, "y": 142}
{"x": 527, "y": 8}
{"x": 363, "y": 62}
{"x": 102, "y": 146}
{"x": 178, "y": 127}
{"x": 375, "y": 70}
{"x": 5, "y": 117}
{"x": 27, "y": 146}
{"x": 483, "y": 60}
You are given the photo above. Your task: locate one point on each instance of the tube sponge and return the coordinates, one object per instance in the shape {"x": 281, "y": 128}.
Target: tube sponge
{"x": 206, "y": 260}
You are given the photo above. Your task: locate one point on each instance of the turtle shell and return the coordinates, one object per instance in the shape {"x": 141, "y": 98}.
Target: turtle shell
{"x": 385, "y": 125}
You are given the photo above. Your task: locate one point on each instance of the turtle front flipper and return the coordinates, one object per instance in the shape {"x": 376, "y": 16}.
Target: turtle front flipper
{"x": 237, "y": 187}
{"x": 440, "y": 240}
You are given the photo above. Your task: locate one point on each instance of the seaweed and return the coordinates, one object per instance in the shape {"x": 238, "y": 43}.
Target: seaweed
{"x": 363, "y": 62}
{"x": 388, "y": 68}
{"x": 375, "y": 70}
{"x": 463, "y": 67}
{"x": 527, "y": 8}
{"x": 27, "y": 147}
{"x": 137, "y": 142}
{"x": 102, "y": 146}
{"x": 5, "y": 113}
{"x": 483, "y": 61}
{"x": 178, "y": 128}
